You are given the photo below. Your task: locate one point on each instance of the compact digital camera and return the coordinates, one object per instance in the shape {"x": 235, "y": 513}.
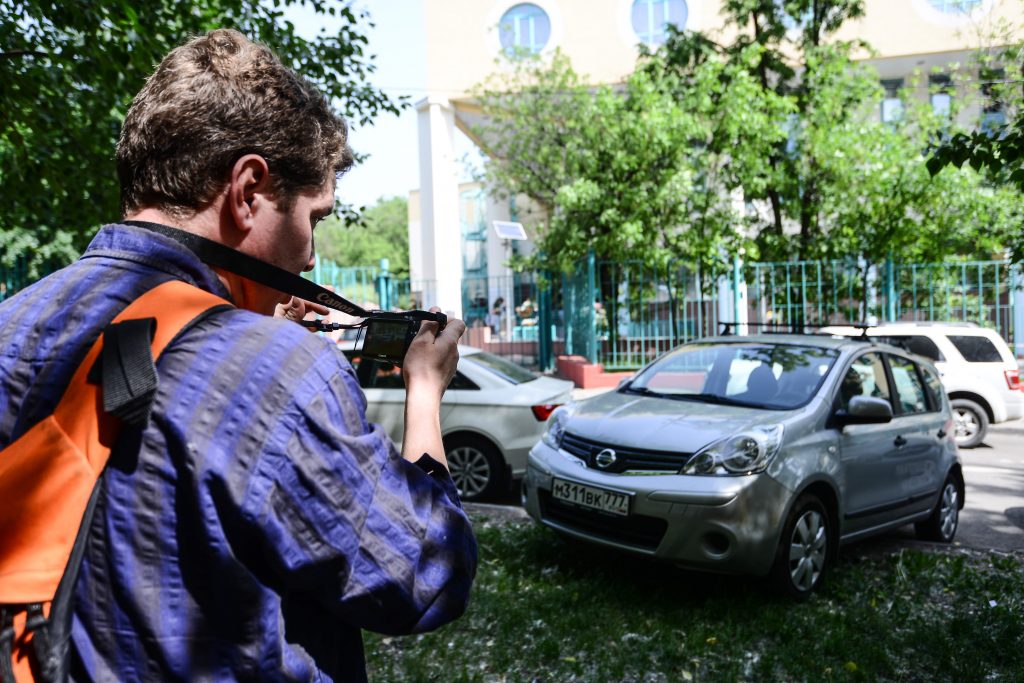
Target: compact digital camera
{"x": 388, "y": 334}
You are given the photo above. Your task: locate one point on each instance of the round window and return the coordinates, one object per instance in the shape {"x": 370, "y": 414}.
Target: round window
{"x": 651, "y": 19}
{"x": 955, "y": 6}
{"x": 524, "y": 27}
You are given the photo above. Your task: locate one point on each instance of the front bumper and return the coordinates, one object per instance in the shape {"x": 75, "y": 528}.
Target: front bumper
{"x": 723, "y": 524}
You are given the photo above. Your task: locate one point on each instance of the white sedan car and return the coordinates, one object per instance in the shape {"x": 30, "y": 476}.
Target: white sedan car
{"x": 492, "y": 414}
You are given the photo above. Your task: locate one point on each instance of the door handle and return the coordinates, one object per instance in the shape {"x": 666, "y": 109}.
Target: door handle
{"x": 941, "y": 434}
{"x": 899, "y": 441}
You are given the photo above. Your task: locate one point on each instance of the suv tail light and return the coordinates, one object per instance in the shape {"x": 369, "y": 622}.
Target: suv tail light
{"x": 544, "y": 410}
{"x": 1013, "y": 380}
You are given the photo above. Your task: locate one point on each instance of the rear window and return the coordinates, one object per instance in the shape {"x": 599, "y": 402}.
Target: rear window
{"x": 976, "y": 349}
{"x": 914, "y": 343}
{"x": 507, "y": 370}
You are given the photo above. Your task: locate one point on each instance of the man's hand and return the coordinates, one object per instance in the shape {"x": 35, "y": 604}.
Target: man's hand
{"x": 432, "y": 357}
{"x": 429, "y": 366}
{"x": 297, "y": 309}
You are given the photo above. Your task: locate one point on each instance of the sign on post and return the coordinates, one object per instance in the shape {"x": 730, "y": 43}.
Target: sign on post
{"x": 509, "y": 230}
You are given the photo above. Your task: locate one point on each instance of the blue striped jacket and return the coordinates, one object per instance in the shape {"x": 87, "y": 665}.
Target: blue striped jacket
{"x": 258, "y": 522}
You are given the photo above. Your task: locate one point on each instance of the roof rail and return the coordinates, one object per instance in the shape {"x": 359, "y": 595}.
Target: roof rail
{"x": 793, "y": 327}
{"x": 930, "y": 323}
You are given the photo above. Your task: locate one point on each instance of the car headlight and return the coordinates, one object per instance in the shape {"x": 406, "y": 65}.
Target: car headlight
{"x": 556, "y": 426}
{"x": 748, "y": 452}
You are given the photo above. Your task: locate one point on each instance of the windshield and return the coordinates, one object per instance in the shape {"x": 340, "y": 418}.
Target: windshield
{"x": 775, "y": 376}
{"x": 507, "y": 370}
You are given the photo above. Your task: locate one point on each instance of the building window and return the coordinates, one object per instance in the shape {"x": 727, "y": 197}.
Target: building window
{"x": 941, "y": 88}
{"x": 474, "y": 231}
{"x": 651, "y": 19}
{"x": 955, "y": 6}
{"x": 524, "y": 28}
{"x": 892, "y": 105}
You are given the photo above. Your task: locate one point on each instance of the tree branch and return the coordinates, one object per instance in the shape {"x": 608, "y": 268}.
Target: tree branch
{"x": 14, "y": 54}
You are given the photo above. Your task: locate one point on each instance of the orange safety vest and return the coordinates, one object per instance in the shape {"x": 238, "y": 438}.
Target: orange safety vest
{"x": 48, "y": 485}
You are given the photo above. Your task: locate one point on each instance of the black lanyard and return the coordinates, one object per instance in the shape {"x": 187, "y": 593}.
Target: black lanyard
{"x": 216, "y": 254}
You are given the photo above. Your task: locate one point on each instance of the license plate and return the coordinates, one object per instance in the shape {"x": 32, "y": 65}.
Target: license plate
{"x": 590, "y": 497}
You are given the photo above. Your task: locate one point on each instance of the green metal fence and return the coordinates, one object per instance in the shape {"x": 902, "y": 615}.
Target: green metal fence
{"x": 622, "y": 314}
{"x": 641, "y": 312}
{"x": 798, "y": 293}
{"x": 970, "y": 291}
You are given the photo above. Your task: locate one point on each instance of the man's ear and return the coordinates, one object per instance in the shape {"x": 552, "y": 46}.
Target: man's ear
{"x": 248, "y": 190}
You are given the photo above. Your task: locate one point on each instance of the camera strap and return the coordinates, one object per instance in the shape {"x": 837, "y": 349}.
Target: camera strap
{"x": 218, "y": 255}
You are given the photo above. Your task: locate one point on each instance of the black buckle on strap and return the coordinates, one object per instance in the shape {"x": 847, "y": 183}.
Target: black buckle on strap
{"x": 129, "y": 373}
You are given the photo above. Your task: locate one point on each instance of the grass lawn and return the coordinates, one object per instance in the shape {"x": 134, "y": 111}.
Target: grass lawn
{"x": 547, "y": 609}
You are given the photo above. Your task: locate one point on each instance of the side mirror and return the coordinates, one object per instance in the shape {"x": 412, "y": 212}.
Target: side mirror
{"x": 865, "y": 410}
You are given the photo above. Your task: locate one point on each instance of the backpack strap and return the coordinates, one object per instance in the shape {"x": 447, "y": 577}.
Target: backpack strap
{"x": 173, "y": 304}
{"x": 49, "y": 475}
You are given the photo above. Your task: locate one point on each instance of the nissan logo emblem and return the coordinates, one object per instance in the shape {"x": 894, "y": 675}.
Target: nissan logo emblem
{"x": 605, "y": 459}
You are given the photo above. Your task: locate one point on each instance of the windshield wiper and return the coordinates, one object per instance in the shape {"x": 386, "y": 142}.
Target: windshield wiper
{"x": 643, "y": 391}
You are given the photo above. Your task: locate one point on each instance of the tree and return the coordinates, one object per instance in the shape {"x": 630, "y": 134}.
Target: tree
{"x": 884, "y": 203}
{"x": 804, "y": 86}
{"x": 604, "y": 165}
{"x": 383, "y": 233}
{"x": 997, "y": 150}
{"x": 825, "y": 177}
{"x": 68, "y": 71}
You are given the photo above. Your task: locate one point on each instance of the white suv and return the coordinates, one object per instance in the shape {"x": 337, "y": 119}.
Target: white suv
{"x": 978, "y": 370}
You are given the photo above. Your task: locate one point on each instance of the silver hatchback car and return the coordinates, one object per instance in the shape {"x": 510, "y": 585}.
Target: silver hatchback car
{"x": 754, "y": 455}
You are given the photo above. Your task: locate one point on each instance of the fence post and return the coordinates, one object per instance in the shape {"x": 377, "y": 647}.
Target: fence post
{"x": 591, "y": 347}
{"x": 890, "y": 290}
{"x": 1017, "y": 301}
{"x": 545, "y": 350}
{"x": 383, "y": 290}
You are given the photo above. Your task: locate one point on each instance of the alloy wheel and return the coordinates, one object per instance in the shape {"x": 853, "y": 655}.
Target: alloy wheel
{"x": 949, "y": 510}
{"x": 470, "y": 470}
{"x": 807, "y": 550}
{"x": 966, "y": 423}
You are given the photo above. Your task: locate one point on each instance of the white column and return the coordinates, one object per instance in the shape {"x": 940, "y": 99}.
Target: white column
{"x": 441, "y": 242}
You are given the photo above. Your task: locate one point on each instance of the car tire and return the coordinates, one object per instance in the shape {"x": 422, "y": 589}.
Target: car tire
{"x": 970, "y": 422}
{"x": 805, "y": 549}
{"x": 941, "y": 526}
{"x": 476, "y": 466}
